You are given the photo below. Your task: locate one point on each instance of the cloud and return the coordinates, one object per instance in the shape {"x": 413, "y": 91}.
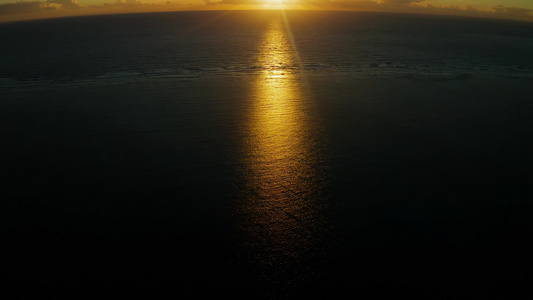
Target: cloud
{"x": 498, "y": 11}
{"x": 68, "y": 4}
{"x": 361, "y": 4}
{"x": 124, "y": 4}
{"x": 511, "y": 11}
{"x": 22, "y": 8}
{"x": 232, "y": 2}
{"x": 18, "y": 8}
{"x": 398, "y": 2}
{"x": 452, "y": 9}
{"x": 51, "y": 8}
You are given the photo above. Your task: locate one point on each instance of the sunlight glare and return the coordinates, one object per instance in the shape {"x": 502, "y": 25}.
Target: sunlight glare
{"x": 273, "y": 3}
{"x": 281, "y": 215}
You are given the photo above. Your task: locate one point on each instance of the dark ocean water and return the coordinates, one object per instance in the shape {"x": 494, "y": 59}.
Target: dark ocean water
{"x": 266, "y": 155}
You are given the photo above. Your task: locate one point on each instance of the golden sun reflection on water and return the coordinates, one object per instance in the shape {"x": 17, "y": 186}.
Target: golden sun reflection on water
{"x": 282, "y": 220}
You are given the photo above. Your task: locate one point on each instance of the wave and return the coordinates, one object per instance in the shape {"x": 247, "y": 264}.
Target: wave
{"x": 387, "y": 69}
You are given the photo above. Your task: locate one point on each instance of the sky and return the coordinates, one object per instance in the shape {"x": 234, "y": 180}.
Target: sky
{"x": 12, "y": 10}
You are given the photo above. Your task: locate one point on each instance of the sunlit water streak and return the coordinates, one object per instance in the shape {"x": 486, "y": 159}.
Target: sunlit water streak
{"x": 283, "y": 220}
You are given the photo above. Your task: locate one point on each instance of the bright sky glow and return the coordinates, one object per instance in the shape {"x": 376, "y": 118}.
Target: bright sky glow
{"x": 275, "y": 2}
{"x": 30, "y": 9}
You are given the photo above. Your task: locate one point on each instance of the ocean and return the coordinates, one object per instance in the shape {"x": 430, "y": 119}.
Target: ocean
{"x": 266, "y": 155}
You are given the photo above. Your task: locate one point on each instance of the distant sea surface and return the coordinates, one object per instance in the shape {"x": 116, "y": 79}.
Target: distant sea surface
{"x": 266, "y": 155}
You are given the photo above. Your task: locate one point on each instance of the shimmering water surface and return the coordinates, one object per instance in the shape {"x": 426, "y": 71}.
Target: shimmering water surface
{"x": 283, "y": 207}
{"x": 269, "y": 155}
